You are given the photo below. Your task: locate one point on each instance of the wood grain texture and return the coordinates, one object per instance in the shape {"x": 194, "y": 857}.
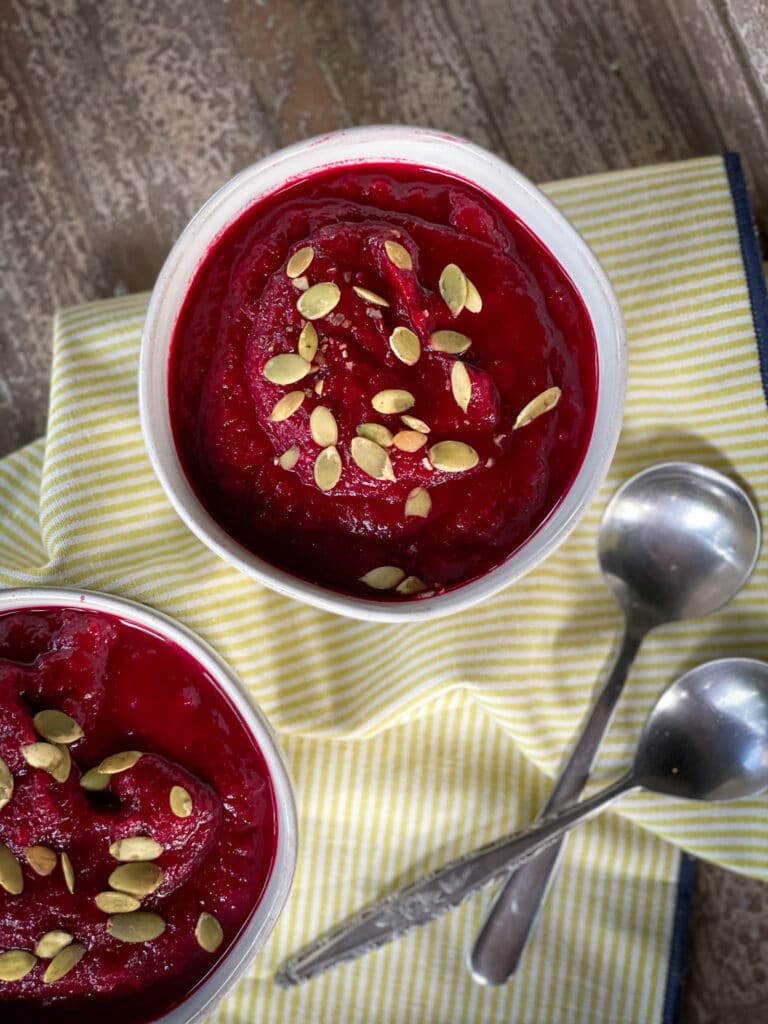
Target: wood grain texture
{"x": 117, "y": 119}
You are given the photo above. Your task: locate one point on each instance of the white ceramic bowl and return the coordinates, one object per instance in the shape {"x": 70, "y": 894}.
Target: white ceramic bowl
{"x": 201, "y": 1000}
{"x": 385, "y": 143}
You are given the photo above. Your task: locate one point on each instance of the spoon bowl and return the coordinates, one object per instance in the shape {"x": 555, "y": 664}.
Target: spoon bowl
{"x": 677, "y": 541}
{"x": 707, "y": 736}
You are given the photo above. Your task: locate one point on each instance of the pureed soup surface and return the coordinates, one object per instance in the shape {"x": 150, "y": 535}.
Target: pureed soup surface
{"x": 200, "y": 791}
{"x": 381, "y": 381}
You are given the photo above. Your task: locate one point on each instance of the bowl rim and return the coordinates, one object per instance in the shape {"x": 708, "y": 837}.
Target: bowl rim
{"x": 391, "y": 144}
{"x": 202, "y": 998}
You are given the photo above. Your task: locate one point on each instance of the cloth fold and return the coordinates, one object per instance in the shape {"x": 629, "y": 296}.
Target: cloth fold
{"x": 409, "y": 744}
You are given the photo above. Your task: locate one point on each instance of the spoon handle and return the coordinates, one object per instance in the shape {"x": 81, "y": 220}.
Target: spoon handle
{"x": 437, "y": 892}
{"x": 504, "y": 933}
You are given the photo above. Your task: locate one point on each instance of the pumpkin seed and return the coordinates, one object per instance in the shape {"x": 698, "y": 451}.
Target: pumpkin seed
{"x": 411, "y": 585}
{"x": 138, "y": 926}
{"x": 6, "y": 784}
{"x": 452, "y": 342}
{"x": 94, "y": 780}
{"x": 415, "y": 423}
{"x": 474, "y": 301}
{"x": 308, "y": 342}
{"x": 406, "y": 345}
{"x": 136, "y": 848}
{"x": 287, "y": 406}
{"x": 68, "y": 871}
{"x": 384, "y": 577}
{"x": 398, "y": 255}
{"x": 180, "y": 801}
{"x": 57, "y": 727}
{"x": 45, "y": 756}
{"x": 453, "y": 288}
{"x": 453, "y": 456}
{"x": 372, "y": 459}
{"x": 328, "y": 468}
{"x": 11, "y": 878}
{"x": 42, "y": 859}
{"x": 208, "y": 932}
{"x": 61, "y": 772}
{"x": 409, "y": 440}
{"x": 116, "y": 763}
{"x": 290, "y": 457}
{"x": 15, "y": 964}
{"x": 300, "y": 261}
{"x": 537, "y": 406}
{"x": 322, "y": 427}
{"x": 52, "y": 943}
{"x": 63, "y": 962}
{"x": 138, "y": 879}
{"x": 375, "y": 432}
{"x": 116, "y": 902}
{"x": 368, "y": 296}
{"x": 319, "y": 300}
{"x": 392, "y": 400}
{"x": 418, "y": 503}
{"x": 461, "y": 385}
{"x": 286, "y": 368}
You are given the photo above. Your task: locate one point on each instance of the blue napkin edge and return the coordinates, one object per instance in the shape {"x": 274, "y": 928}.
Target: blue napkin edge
{"x": 758, "y": 299}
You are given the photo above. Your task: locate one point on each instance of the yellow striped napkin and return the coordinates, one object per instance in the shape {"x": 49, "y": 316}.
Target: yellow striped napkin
{"x": 409, "y": 744}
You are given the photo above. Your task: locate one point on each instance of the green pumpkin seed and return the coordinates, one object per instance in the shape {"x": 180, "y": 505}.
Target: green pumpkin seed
{"x": 136, "y": 848}
{"x": 57, "y": 727}
{"x": 180, "y": 801}
{"x": 287, "y": 368}
{"x": 453, "y": 342}
{"x": 300, "y": 261}
{"x": 453, "y": 288}
{"x": 372, "y": 459}
{"x": 406, "y": 345}
{"x": 398, "y": 255}
{"x": 328, "y": 468}
{"x": 116, "y": 763}
{"x": 15, "y": 964}
{"x": 63, "y": 962}
{"x": 461, "y": 385}
{"x": 418, "y": 503}
{"x": 52, "y": 943}
{"x": 208, "y": 932}
{"x": 392, "y": 400}
{"x": 42, "y": 859}
{"x": 453, "y": 456}
{"x": 322, "y": 427}
{"x": 537, "y": 407}
{"x": 139, "y": 879}
{"x": 138, "y": 926}
{"x": 319, "y": 300}
{"x": 11, "y": 877}
{"x": 287, "y": 406}
{"x": 384, "y": 577}
{"x": 368, "y": 296}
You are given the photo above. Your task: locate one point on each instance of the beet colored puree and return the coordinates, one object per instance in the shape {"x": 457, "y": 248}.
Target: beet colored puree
{"x": 533, "y": 333}
{"x": 128, "y": 689}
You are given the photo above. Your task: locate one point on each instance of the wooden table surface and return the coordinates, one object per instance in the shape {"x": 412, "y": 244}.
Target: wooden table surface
{"x": 117, "y": 119}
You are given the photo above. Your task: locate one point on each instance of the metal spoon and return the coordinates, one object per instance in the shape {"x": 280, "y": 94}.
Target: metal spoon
{"x": 676, "y": 541}
{"x": 705, "y": 739}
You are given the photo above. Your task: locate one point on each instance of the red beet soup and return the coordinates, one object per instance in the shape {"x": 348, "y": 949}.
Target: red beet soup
{"x": 381, "y": 381}
{"x": 137, "y": 820}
